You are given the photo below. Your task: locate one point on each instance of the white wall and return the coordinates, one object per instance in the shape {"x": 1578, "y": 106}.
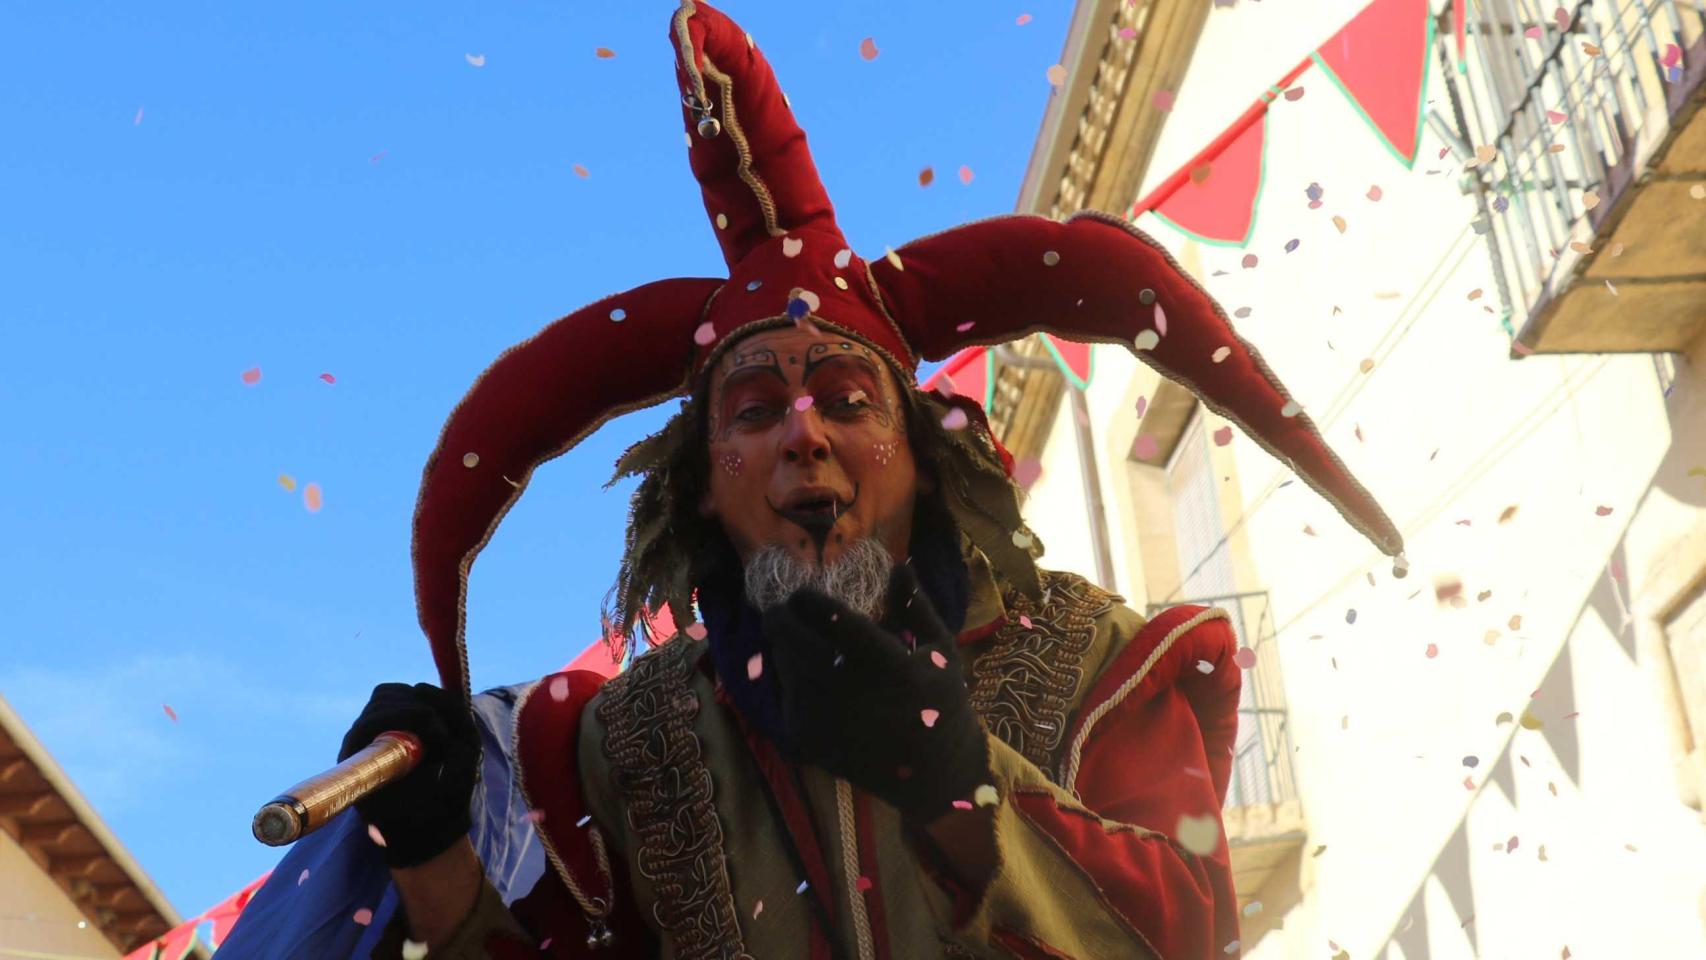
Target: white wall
{"x": 1381, "y": 729}
{"x": 36, "y": 917}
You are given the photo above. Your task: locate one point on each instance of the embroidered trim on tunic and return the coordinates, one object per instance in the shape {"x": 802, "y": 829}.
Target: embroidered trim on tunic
{"x": 659, "y": 767}
{"x": 1025, "y": 684}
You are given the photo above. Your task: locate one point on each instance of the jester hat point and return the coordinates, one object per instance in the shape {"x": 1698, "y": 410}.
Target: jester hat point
{"x": 1091, "y": 278}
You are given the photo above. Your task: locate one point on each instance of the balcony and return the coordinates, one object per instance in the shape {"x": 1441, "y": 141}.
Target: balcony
{"x": 1264, "y": 820}
{"x": 1585, "y": 148}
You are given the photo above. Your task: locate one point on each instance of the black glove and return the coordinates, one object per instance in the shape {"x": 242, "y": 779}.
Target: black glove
{"x": 423, "y": 814}
{"x": 855, "y": 696}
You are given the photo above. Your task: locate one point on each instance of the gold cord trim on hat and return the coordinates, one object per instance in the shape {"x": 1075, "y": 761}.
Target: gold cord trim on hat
{"x": 684, "y": 41}
{"x": 731, "y": 124}
{"x": 1075, "y": 753}
{"x": 600, "y": 912}
{"x": 883, "y": 308}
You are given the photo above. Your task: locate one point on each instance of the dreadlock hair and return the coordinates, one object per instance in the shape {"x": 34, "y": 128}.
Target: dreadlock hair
{"x": 666, "y": 532}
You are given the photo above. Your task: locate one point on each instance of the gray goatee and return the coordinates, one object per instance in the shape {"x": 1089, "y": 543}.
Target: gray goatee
{"x": 859, "y": 577}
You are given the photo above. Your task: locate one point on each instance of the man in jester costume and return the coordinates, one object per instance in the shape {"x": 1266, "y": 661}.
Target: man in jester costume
{"x": 882, "y": 731}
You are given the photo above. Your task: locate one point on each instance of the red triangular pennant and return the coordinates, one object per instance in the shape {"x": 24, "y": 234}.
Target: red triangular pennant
{"x": 965, "y": 373}
{"x": 1380, "y": 61}
{"x": 1217, "y": 202}
{"x": 1072, "y": 357}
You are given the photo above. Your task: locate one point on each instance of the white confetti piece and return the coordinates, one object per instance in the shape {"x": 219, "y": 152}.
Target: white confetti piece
{"x": 801, "y": 888}
{"x": 1199, "y": 835}
{"x": 415, "y": 950}
{"x": 757, "y": 909}
{"x": 302, "y": 877}
{"x": 1056, "y": 75}
{"x": 475, "y": 59}
{"x": 1203, "y": 666}
{"x": 583, "y": 821}
{"x": 559, "y": 689}
{"x": 1221, "y": 354}
{"x": 1291, "y": 409}
{"x": 1021, "y": 539}
{"x": 843, "y": 257}
{"x": 956, "y": 419}
{"x": 791, "y": 246}
{"x": 1146, "y": 340}
{"x": 986, "y": 796}
{"x": 374, "y": 835}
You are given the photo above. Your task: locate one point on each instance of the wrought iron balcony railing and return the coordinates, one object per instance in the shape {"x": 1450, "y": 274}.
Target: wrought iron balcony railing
{"x": 1558, "y": 110}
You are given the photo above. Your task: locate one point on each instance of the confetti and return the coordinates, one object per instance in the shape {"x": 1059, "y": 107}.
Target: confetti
{"x": 475, "y": 59}
{"x": 801, "y": 888}
{"x": 1021, "y": 539}
{"x": 1200, "y": 172}
{"x": 1484, "y": 154}
{"x": 1366, "y": 365}
{"x": 1291, "y": 245}
{"x": 170, "y": 712}
{"x": 1203, "y": 666}
{"x": 863, "y": 883}
{"x": 755, "y": 666}
{"x": 1249, "y": 262}
{"x": 604, "y": 53}
{"x": 705, "y": 334}
{"x": 311, "y": 497}
{"x": 328, "y": 378}
{"x": 962, "y": 805}
{"x": 286, "y": 481}
{"x": 893, "y": 258}
{"x": 868, "y": 49}
{"x": 926, "y": 176}
{"x": 138, "y": 121}
{"x": 986, "y": 796}
{"x": 1318, "y": 851}
{"x": 966, "y": 176}
{"x": 1245, "y": 658}
{"x": 1698, "y": 192}
{"x": 1590, "y": 49}
{"x": 1533, "y": 33}
{"x": 252, "y": 376}
{"x": 1556, "y": 117}
{"x": 1432, "y": 651}
{"x": 583, "y": 821}
{"x": 1580, "y": 247}
{"x": 1294, "y": 94}
{"x": 1142, "y": 406}
{"x": 1510, "y": 845}
{"x": 757, "y": 909}
{"x": 1374, "y": 193}
{"x": 696, "y": 631}
{"x": 843, "y": 257}
{"x": 378, "y": 156}
{"x": 1252, "y": 908}
{"x": 302, "y": 877}
{"x": 1339, "y": 222}
{"x": 1291, "y": 409}
{"x": 363, "y": 916}
{"x": 1056, "y": 75}
{"x": 1221, "y": 354}
{"x": 1602, "y": 511}
{"x": 1313, "y": 191}
{"x": 929, "y": 716}
{"x": 582, "y": 172}
{"x": 1530, "y": 722}
{"x": 1232, "y": 947}
{"x": 534, "y": 816}
{"x": 1351, "y": 616}
{"x": 802, "y": 404}
{"x": 1163, "y": 100}
{"x": 1199, "y": 835}
{"x": 1024, "y": 18}
{"x": 955, "y": 420}
{"x": 937, "y": 659}
{"x": 415, "y": 950}
{"x": 1024, "y": 621}
{"x": 558, "y": 688}
{"x": 1223, "y": 436}
{"x": 1128, "y": 33}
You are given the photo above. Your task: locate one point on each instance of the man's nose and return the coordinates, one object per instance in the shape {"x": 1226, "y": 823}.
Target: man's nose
{"x": 803, "y": 436}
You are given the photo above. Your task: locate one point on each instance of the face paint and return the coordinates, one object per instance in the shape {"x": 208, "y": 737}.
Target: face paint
{"x": 732, "y": 464}
{"x": 885, "y": 451}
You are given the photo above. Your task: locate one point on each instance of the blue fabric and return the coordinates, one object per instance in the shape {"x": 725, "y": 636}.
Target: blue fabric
{"x": 734, "y": 626}
{"x": 287, "y": 919}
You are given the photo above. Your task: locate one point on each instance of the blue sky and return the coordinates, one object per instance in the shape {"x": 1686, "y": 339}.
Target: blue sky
{"x": 196, "y": 189}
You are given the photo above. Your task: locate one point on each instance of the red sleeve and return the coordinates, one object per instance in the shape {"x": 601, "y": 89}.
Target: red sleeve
{"x": 1161, "y": 753}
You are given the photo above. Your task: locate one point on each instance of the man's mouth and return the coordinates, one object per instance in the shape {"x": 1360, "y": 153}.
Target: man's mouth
{"x": 815, "y": 509}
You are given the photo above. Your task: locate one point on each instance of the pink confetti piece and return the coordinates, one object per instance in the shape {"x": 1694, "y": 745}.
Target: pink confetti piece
{"x": 138, "y": 121}
{"x": 1432, "y": 651}
{"x": 955, "y": 420}
{"x": 302, "y": 877}
{"x": 757, "y": 909}
{"x": 363, "y": 916}
{"x": 1223, "y": 436}
{"x": 1024, "y": 18}
{"x": 328, "y": 378}
{"x": 1245, "y": 658}
{"x": 374, "y": 835}
{"x": 705, "y": 335}
{"x": 1556, "y": 117}
{"x": 534, "y": 816}
{"x": 545, "y": 945}
{"x": 1673, "y": 55}
{"x": 1602, "y": 511}
{"x": 1128, "y": 33}
{"x": 1056, "y": 75}
{"x": 966, "y": 326}
{"x": 1024, "y": 621}
{"x": 170, "y": 712}
{"x": 966, "y": 176}
{"x": 755, "y": 666}
{"x": 1142, "y": 406}
{"x": 962, "y": 805}
{"x": 1294, "y": 94}
{"x": 1027, "y": 472}
{"x": 1533, "y": 33}
{"x": 1145, "y": 447}
{"x": 864, "y": 883}
{"x": 1562, "y": 17}
{"x": 868, "y": 49}
{"x": 929, "y": 716}
{"x": 1160, "y": 320}
{"x": 696, "y": 631}
{"x": 802, "y": 404}
{"x": 558, "y": 688}
{"x": 939, "y": 660}
{"x": 1163, "y": 100}
{"x": 252, "y": 376}
{"x": 311, "y": 498}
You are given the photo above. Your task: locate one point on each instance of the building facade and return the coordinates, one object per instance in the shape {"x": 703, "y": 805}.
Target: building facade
{"x": 1503, "y": 754}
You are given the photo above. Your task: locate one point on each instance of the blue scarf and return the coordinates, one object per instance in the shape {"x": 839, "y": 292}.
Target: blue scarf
{"x": 734, "y": 627}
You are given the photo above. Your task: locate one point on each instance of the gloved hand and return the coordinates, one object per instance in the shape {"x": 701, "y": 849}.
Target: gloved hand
{"x": 423, "y": 814}
{"x": 882, "y": 707}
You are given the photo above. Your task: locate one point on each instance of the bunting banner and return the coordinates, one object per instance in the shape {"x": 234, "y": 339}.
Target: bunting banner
{"x": 1379, "y": 61}
{"x": 969, "y": 373}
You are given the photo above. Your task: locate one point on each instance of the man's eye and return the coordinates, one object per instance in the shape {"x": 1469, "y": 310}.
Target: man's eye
{"x": 752, "y": 413}
{"x": 851, "y": 402}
